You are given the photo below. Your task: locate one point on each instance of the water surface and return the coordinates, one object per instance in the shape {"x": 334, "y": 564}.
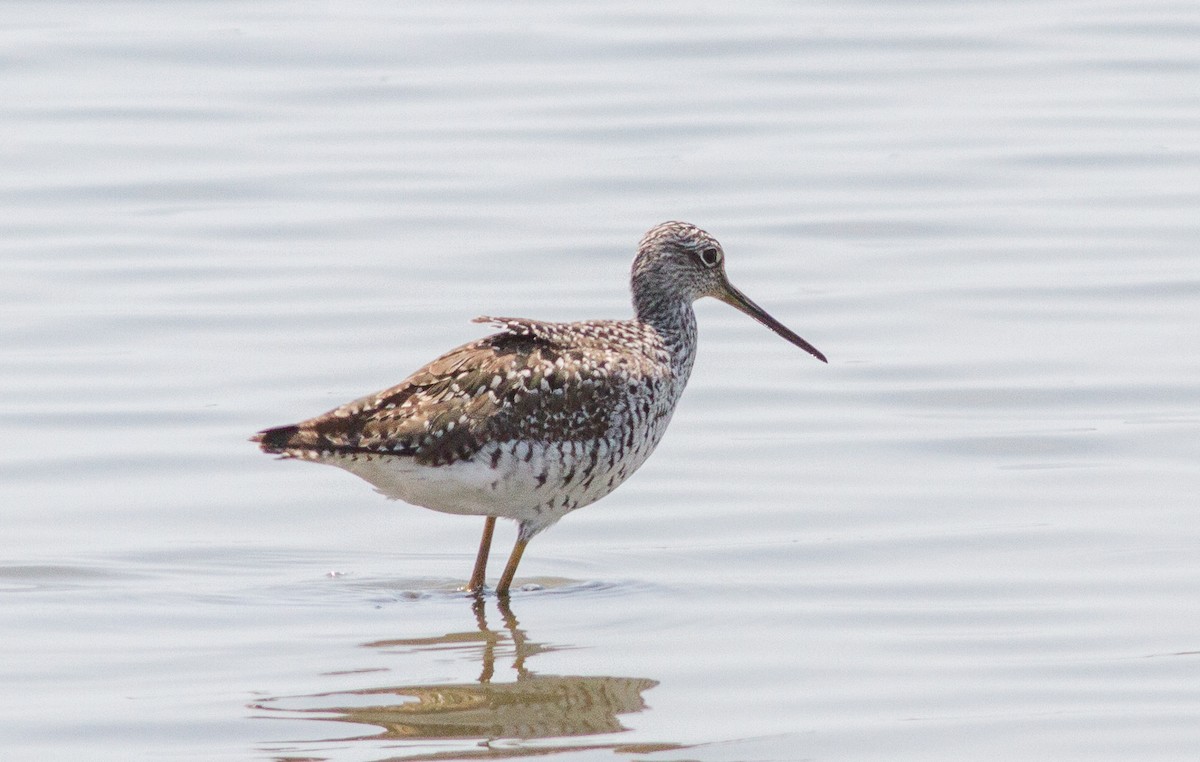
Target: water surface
{"x": 972, "y": 535}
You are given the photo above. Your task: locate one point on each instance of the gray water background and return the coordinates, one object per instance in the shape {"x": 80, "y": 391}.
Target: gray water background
{"x": 973, "y": 535}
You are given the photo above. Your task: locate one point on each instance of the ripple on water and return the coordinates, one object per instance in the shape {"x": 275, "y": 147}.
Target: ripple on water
{"x": 47, "y": 578}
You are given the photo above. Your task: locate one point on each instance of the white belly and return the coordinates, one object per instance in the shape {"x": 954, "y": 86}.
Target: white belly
{"x": 534, "y": 484}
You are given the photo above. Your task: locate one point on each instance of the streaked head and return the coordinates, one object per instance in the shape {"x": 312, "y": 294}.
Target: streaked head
{"x": 677, "y": 261}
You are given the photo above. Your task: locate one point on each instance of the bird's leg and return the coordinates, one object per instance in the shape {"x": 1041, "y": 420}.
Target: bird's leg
{"x": 485, "y": 545}
{"x": 510, "y": 570}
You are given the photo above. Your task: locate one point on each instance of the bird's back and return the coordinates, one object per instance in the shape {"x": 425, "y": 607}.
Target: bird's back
{"x": 575, "y": 407}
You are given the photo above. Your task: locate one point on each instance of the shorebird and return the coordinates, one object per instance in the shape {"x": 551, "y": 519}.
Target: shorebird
{"x": 538, "y": 419}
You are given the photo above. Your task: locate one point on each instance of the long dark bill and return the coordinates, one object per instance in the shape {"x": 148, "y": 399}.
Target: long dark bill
{"x": 735, "y": 298}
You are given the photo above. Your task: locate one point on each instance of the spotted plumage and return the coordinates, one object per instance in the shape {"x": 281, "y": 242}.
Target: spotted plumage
{"x": 538, "y": 419}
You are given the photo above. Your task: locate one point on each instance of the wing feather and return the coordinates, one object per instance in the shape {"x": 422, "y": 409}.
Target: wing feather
{"x": 531, "y": 381}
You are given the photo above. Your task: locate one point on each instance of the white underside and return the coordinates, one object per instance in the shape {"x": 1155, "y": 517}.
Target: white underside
{"x": 512, "y": 489}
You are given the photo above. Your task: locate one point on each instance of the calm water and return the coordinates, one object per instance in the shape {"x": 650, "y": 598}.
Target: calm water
{"x": 973, "y": 535}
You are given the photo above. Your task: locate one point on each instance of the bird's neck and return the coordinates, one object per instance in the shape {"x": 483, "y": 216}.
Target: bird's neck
{"x": 675, "y": 322}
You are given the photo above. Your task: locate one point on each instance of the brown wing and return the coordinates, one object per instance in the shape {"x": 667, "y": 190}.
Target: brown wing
{"x": 529, "y": 382}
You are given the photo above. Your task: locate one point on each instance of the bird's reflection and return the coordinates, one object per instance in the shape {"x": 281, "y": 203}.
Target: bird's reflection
{"x": 518, "y": 705}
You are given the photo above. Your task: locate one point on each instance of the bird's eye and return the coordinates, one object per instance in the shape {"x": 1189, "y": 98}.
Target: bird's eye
{"x": 710, "y": 256}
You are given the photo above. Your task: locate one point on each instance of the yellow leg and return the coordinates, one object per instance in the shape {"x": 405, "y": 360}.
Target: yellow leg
{"x": 510, "y": 570}
{"x": 479, "y": 575}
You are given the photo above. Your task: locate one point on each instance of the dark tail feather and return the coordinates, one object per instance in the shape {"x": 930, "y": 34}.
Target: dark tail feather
{"x": 275, "y": 440}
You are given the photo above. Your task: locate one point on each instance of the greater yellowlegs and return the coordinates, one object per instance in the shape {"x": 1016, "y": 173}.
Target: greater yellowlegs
{"x": 540, "y": 418}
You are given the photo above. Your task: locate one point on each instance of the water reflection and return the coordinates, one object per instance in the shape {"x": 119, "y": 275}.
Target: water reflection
{"x": 518, "y": 704}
